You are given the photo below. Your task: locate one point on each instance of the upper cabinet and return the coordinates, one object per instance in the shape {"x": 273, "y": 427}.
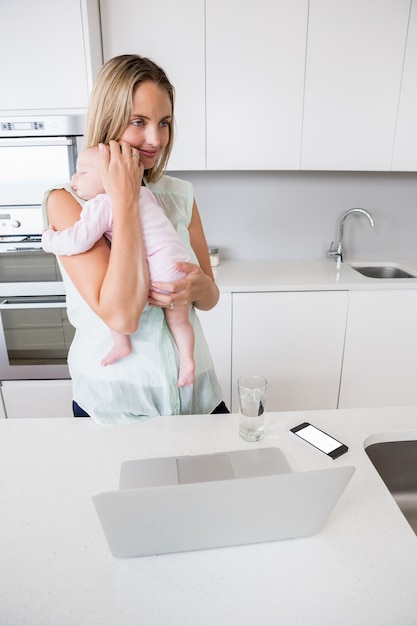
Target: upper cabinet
{"x": 354, "y": 64}
{"x": 281, "y": 84}
{"x": 255, "y": 57}
{"x": 172, "y": 34}
{"x": 50, "y": 52}
{"x": 238, "y": 70}
{"x": 405, "y": 152}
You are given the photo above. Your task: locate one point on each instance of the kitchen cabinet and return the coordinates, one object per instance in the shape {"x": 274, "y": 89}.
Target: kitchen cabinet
{"x": 295, "y": 340}
{"x": 317, "y": 350}
{"x": 405, "y": 152}
{"x": 354, "y": 66}
{"x": 53, "y": 51}
{"x": 255, "y": 57}
{"x": 284, "y": 85}
{"x": 2, "y": 409}
{"x": 226, "y": 103}
{"x": 217, "y": 328}
{"x": 37, "y": 398}
{"x": 173, "y": 35}
{"x": 379, "y": 365}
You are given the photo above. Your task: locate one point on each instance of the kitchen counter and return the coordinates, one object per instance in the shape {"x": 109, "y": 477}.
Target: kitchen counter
{"x": 56, "y": 567}
{"x": 308, "y": 275}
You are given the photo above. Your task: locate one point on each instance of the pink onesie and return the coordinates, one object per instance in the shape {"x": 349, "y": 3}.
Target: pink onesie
{"x": 162, "y": 243}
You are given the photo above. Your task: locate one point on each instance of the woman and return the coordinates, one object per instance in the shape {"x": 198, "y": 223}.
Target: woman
{"x": 131, "y": 117}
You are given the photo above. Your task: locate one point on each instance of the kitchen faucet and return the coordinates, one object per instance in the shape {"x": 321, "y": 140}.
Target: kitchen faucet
{"x": 336, "y": 252}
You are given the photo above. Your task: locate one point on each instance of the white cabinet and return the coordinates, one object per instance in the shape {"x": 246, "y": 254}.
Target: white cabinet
{"x": 354, "y": 66}
{"x": 380, "y": 359}
{"x": 50, "y": 54}
{"x": 173, "y": 35}
{"x": 217, "y": 327}
{"x": 255, "y": 56}
{"x": 405, "y": 153}
{"x": 246, "y": 61}
{"x": 317, "y": 350}
{"x": 37, "y": 398}
{"x": 2, "y": 409}
{"x": 293, "y": 339}
{"x": 289, "y": 84}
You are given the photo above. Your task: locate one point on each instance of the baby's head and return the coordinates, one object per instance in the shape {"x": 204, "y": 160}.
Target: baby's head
{"x": 86, "y": 181}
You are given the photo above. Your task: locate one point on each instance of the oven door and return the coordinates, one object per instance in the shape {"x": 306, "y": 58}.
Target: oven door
{"x": 26, "y": 272}
{"x": 35, "y": 336}
{"x": 31, "y": 165}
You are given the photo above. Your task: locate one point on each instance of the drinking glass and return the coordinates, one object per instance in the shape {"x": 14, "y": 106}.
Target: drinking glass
{"x": 252, "y": 399}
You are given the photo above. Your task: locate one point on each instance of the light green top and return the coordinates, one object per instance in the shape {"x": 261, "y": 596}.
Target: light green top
{"x": 143, "y": 384}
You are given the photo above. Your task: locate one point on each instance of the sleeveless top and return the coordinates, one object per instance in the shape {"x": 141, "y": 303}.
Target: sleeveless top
{"x": 143, "y": 384}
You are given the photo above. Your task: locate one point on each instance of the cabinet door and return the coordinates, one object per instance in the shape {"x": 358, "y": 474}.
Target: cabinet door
{"x": 2, "y": 409}
{"x": 172, "y": 34}
{"x": 50, "y": 53}
{"x": 405, "y": 153}
{"x": 217, "y": 327}
{"x": 255, "y": 79}
{"x": 353, "y": 76}
{"x": 37, "y": 398}
{"x": 379, "y": 366}
{"x": 295, "y": 340}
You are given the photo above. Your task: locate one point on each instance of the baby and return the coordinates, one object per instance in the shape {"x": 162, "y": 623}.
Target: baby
{"x": 162, "y": 244}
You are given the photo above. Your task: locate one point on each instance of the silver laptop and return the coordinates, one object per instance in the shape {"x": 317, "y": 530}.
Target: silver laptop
{"x": 196, "y": 502}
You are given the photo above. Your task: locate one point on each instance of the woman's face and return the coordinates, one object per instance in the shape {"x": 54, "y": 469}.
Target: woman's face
{"x": 148, "y": 128}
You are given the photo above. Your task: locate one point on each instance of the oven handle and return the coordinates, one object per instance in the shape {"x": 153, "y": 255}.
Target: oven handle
{"x": 32, "y": 302}
{"x": 19, "y": 142}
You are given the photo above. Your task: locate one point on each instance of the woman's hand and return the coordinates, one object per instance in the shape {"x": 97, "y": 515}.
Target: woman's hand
{"x": 121, "y": 173}
{"x": 195, "y": 288}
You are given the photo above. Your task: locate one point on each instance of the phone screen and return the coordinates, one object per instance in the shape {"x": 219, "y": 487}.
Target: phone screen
{"x": 320, "y": 440}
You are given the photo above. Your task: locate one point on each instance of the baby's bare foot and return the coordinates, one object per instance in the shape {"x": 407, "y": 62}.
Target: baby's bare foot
{"x": 115, "y": 354}
{"x": 186, "y": 373}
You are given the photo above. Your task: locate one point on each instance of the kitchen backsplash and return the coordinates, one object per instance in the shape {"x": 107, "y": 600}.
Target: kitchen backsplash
{"x": 294, "y": 215}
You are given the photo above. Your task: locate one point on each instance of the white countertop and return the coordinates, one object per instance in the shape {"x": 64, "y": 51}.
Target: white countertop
{"x": 56, "y": 568}
{"x": 308, "y": 275}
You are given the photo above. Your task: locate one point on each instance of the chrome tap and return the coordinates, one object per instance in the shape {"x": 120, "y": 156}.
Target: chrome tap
{"x": 336, "y": 252}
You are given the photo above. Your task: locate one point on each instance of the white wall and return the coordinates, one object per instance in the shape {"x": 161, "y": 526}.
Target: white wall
{"x": 294, "y": 215}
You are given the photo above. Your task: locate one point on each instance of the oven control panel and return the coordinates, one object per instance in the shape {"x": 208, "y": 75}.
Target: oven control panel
{"x": 21, "y": 221}
{"x": 48, "y": 125}
{"x": 14, "y": 126}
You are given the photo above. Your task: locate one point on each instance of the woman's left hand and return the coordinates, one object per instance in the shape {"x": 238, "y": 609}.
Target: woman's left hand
{"x": 196, "y": 287}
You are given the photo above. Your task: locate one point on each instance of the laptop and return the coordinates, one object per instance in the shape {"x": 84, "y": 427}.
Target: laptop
{"x": 232, "y": 498}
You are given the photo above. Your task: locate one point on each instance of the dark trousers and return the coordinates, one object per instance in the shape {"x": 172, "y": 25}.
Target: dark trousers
{"x": 79, "y": 412}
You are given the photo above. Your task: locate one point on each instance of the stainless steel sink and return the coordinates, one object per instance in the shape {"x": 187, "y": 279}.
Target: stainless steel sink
{"x": 382, "y": 271}
{"x": 396, "y": 463}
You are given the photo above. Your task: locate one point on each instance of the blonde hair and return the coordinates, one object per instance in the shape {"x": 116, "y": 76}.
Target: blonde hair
{"x": 110, "y": 107}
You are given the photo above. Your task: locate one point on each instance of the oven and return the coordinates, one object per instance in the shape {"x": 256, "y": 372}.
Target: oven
{"x": 35, "y": 336}
{"x": 36, "y": 153}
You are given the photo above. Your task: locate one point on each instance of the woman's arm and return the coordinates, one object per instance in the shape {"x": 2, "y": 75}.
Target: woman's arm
{"x": 198, "y": 287}
{"x": 114, "y": 282}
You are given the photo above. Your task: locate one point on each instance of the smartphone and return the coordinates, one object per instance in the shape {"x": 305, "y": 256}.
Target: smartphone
{"x": 320, "y": 440}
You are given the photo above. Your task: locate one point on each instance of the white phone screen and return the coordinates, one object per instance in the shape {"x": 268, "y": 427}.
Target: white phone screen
{"x": 318, "y": 439}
